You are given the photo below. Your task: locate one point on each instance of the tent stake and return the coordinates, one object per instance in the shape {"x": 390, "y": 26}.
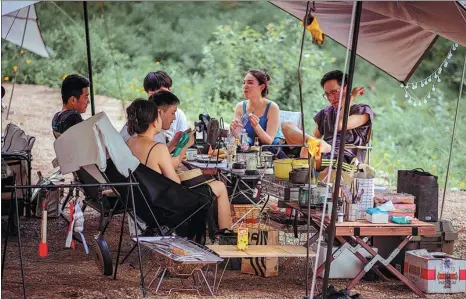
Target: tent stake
{"x": 341, "y": 152}
{"x": 89, "y": 59}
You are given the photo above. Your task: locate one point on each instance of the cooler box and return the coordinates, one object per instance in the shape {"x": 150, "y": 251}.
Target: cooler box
{"x": 435, "y": 272}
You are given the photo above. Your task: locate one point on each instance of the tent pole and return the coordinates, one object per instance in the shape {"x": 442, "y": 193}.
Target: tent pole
{"x": 304, "y": 138}
{"x": 341, "y": 152}
{"x": 453, "y": 137}
{"x": 19, "y": 59}
{"x": 89, "y": 59}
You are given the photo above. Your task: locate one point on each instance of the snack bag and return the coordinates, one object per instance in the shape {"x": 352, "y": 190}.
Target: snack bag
{"x": 242, "y": 242}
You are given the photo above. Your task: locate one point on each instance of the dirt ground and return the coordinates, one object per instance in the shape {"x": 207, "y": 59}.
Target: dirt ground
{"x": 67, "y": 273}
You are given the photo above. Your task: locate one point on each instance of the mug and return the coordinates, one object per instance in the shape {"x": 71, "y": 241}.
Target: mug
{"x": 191, "y": 154}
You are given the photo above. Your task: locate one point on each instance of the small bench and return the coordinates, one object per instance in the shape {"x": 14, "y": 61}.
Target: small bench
{"x": 231, "y": 251}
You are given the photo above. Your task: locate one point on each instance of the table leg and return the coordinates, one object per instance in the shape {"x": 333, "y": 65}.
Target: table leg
{"x": 386, "y": 263}
{"x": 221, "y": 276}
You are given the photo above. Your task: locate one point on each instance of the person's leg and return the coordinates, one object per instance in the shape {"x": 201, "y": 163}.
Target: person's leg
{"x": 224, "y": 212}
{"x": 293, "y": 135}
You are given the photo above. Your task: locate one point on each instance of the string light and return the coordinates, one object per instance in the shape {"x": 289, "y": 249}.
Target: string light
{"x": 429, "y": 82}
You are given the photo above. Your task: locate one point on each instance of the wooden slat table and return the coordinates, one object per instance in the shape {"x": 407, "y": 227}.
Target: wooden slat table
{"x": 231, "y": 251}
{"x": 363, "y": 228}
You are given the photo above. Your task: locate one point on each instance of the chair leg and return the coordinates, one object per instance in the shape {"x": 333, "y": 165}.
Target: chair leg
{"x": 128, "y": 254}
{"x": 19, "y": 242}
{"x": 8, "y": 226}
{"x": 121, "y": 236}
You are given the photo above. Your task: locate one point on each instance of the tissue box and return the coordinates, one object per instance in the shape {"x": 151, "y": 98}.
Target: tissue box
{"x": 435, "y": 272}
{"x": 377, "y": 218}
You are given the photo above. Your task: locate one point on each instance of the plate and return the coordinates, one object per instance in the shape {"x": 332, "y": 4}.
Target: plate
{"x": 208, "y": 159}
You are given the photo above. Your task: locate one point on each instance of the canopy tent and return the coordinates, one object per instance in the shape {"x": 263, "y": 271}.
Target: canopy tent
{"x": 394, "y": 36}
{"x": 19, "y": 18}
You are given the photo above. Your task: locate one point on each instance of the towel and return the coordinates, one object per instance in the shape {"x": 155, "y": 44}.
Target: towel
{"x": 92, "y": 142}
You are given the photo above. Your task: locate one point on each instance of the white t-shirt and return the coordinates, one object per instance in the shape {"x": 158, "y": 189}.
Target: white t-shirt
{"x": 179, "y": 124}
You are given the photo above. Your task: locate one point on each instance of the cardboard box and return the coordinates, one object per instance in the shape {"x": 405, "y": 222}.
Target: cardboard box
{"x": 435, "y": 272}
{"x": 262, "y": 266}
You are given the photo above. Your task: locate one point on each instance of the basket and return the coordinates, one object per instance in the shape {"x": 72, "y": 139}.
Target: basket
{"x": 251, "y": 211}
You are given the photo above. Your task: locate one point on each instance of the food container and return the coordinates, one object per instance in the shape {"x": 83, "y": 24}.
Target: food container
{"x": 266, "y": 160}
{"x": 283, "y": 167}
{"x": 304, "y": 195}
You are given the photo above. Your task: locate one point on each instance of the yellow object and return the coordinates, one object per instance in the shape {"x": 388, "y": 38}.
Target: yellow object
{"x": 313, "y": 146}
{"x": 282, "y": 167}
{"x": 242, "y": 241}
{"x": 318, "y": 35}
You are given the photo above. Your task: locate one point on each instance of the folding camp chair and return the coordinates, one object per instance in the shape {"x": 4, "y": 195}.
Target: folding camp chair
{"x": 97, "y": 154}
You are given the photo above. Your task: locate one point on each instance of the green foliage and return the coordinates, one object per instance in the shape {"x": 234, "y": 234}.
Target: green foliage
{"x": 207, "y": 47}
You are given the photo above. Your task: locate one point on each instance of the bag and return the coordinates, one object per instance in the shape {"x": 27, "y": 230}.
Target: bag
{"x": 194, "y": 178}
{"x": 52, "y": 200}
{"x": 424, "y": 186}
{"x": 262, "y": 266}
{"x": 15, "y": 140}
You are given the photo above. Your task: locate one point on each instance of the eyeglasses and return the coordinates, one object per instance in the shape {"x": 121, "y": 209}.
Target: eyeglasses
{"x": 331, "y": 94}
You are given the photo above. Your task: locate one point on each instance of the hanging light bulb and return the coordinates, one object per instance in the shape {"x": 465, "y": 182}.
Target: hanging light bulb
{"x": 428, "y": 96}
{"x": 409, "y": 101}
{"x": 445, "y": 64}
{"x": 422, "y": 84}
{"x": 439, "y": 80}
{"x": 402, "y": 85}
{"x": 425, "y": 101}
{"x": 406, "y": 95}
{"x": 433, "y": 88}
{"x": 430, "y": 79}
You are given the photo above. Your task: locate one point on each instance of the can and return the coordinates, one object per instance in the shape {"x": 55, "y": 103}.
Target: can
{"x": 340, "y": 217}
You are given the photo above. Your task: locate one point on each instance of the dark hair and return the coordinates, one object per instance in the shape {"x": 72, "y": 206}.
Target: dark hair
{"x": 140, "y": 114}
{"x": 163, "y": 99}
{"x": 263, "y": 78}
{"x": 157, "y": 80}
{"x": 3, "y": 92}
{"x": 73, "y": 86}
{"x": 334, "y": 75}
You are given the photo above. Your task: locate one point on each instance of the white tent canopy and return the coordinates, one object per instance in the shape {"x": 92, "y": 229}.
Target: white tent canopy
{"x": 20, "y": 18}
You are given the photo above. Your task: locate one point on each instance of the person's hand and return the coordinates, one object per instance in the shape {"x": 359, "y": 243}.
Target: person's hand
{"x": 357, "y": 91}
{"x": 235, "y": 123}
{"x": 254, "y": 120}
{"x": 191, "y": 139}
{"x": 176, "y": 138}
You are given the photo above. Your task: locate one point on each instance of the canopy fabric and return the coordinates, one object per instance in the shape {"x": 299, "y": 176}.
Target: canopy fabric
{"x": 393, "y": 36}
{"x": 14, "y": 17}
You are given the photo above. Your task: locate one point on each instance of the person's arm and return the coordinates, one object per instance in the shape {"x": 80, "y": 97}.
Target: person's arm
{"x": 236, "y": 122}
{"x": 355, "y": 120}
{"x": 273, "y": 118}
{"x": 165, "y": 164}
{"x": 176, "y": 161}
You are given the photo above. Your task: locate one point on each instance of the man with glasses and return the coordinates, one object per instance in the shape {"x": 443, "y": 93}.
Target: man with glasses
{"x": 359, "y": 121}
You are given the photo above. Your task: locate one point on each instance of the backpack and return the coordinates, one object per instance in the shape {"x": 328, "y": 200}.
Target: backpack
{"x": 15, "y": 140}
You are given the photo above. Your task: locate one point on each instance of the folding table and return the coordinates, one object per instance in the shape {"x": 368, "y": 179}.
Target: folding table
{"x": 226, "y": 174}
{"x": 360, "y": 231}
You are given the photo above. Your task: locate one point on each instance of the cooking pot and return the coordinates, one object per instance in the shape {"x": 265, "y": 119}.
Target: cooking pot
{"x": 299, "y": 176}
{"x": 282, "y": 167}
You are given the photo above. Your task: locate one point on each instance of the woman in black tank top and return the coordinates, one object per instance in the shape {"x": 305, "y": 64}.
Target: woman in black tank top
{"x": 143, "y": 120}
